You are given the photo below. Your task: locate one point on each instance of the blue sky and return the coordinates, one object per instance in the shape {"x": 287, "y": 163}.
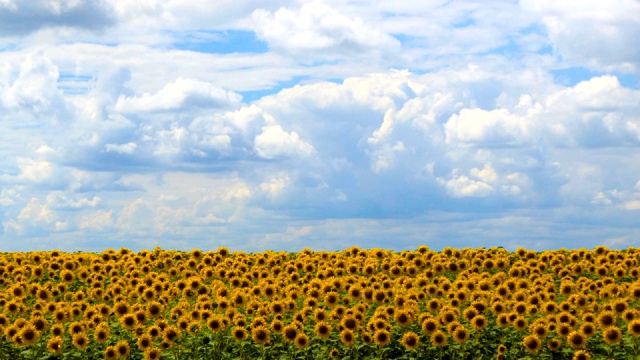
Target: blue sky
{"x": 284, "y": 125}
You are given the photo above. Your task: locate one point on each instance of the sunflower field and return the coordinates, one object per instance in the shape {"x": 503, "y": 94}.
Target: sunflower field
{"x": 353, "y": 304}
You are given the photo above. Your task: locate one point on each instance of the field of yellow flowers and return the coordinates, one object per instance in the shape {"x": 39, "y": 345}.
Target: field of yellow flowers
{"x": 352, "y": 304}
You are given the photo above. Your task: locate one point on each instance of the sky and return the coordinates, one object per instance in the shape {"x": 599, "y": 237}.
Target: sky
{"x": 283, "y": 125}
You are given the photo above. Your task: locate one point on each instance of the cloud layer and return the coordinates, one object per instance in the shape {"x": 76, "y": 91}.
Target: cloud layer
{"x": 333, "y": 124}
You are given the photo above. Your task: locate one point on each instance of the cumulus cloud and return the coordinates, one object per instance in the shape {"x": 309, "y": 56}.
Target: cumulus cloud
{"x": 127, "y": 148}
{"x": 23, "y": 17}
{"x": 364, "y": 122}
{"x": 34, "y": 93}
{"x": 180, "y": 95}
{"x": 592, "y": 34}
{"x": 274, "y": 142}
{"x": 317, "y": 28}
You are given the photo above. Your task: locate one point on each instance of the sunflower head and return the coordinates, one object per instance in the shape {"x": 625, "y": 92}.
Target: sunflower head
{"x": 260, "y": 335}
{"x": 581, "y": 355}
{"x": 438, "y": 338}
{"x": 382, "y": 337}
{"x": 576, "y": 340}
{"x": 29, "y": 334}
{"x": 347, "y": 337}
{"x": 55, "y": 345}
{"x": 80, "y": 341}
{"x": 634, "y": 328}
{"x": 612, "y": 335}
{"x": 410, "y": 340}
{"x": 554, "y": 344}
{"x": 152, "y": 353}
{"x": 122, "y": 349}
{"x": 532, "y": 343}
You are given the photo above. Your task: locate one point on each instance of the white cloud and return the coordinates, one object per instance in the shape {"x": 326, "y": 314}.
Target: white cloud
{"x": 481, "y": 127}
{"x": 316, "y": 28}
{"x": 462, "y": 186}
{"x": 98, "y": 220}
{"x": 361, "y": 121}
{"x": 34, "y": 170}
{"x": 60, "y": 200}
{"x": 34, "y": 91}
{"x": 276, "y": 184}
{"x": 127, "y": 148}
{"x": 23, "y": 17}
{"x": 274, "y": 142}
{"x": 180, "y": 95}
{"x": 592, "y": 33}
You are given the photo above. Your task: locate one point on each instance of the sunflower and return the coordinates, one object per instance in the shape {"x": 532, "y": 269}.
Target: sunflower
{"x": 469, "y": 313}
{"x": 503, "y": 320}
{"x": 171, "y": 333}
{"x": 367, "y": 338}
{"x": 447, "y": 316}
{"x": 347, "y": 337}
{"x": 12, "y": 333}
{"x": 382, "y": 337}
{"x": 29, "y": 334}
{"x": 80, "y": 341}
{"x": 429, "y": 326}
{"x": 152, "y": 353}
{"x": 334, "y": 353}
{"x": 438, "y": 338}
{"x": 76, "y": 327}
{"x": 322, "y": 330}
{"x": 532, "y": 344}
{"x": 577, "y": 340}
{"x": 110, "y": 353}
{"x": 301, "y": 340}
{"x": 479, "y": 322}
{"x": 460, "y": 335}
{"x": 154, "y": 331}
{"x": 260, "y": 335}
{"x": 145, "y": 341}
{"x": 410, "y": 340}
{"x": 214, "y": 323}
{"x": 606, "y": 319}
{"x": 433, "y": 305}
{"x": 581, "y": 355}
{"x": 122, "y": 348}
{"x": 331, "y": 298}
{"x": 239, "y": 333}
{"x": 588, "y": 329}
{"x": 57, "y": 330}
{"x": 612, "y": 335}
{"x": 55, "y": 345}
{"x": 502, "y": 349}
{"x": 634, "y": 328}
{"x": 520, "y": 323}
{"x": 540, "y": 330}
{"x": 129, "y": 321}
{"x": 154, "y": 309}
{"x": 290, "y": 332}
{"x": 121, "y": 308}
{"x": 277, "y": 326}
{"x": 403, "y": 318}
{"x": 554, "y": 344}
{"x": 349, "y": 322}
{"x": 319, "y": 315}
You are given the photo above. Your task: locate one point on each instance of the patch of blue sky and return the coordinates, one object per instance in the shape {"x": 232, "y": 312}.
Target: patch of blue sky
{"x": 409, "y": 41}
{"x": 463, "y": 23}
{"x": 219, "y": 42}
{"x": 249, "y": 97}
{"x": 73, "y": 84}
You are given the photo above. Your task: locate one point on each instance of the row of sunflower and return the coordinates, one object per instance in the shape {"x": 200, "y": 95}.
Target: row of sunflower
{"x": 356, "y": 303}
